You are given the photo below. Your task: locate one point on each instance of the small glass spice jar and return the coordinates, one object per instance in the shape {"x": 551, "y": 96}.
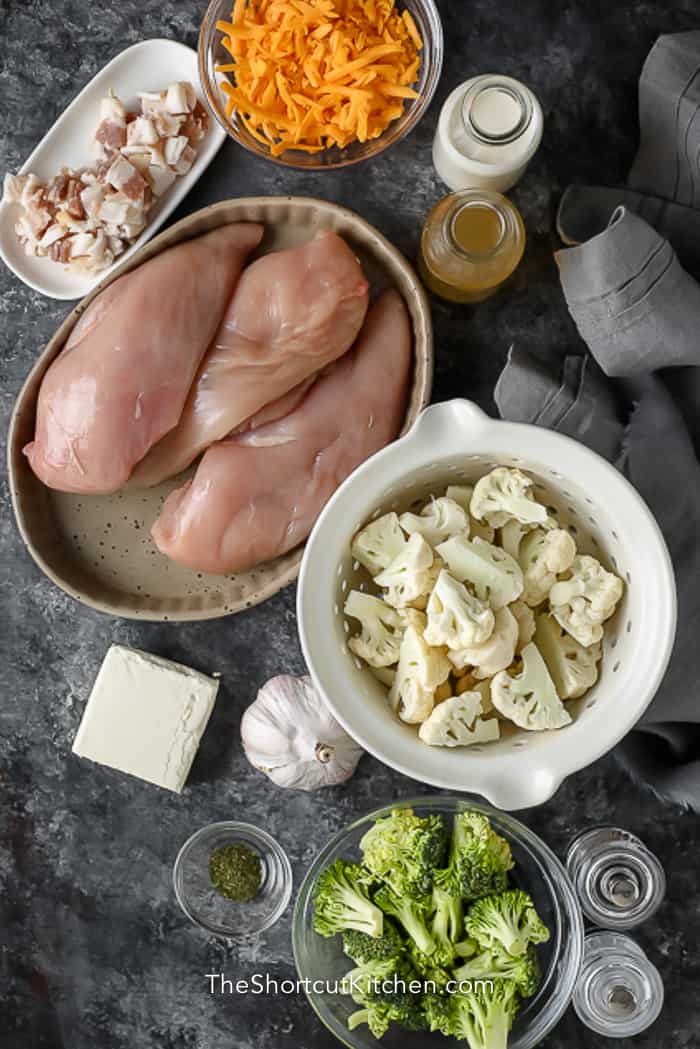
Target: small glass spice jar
{"x": 488, "y": 131}
{"x": 619, "y": 881}
{"x": 619, "y": 992}
{"x": 471, "y": 244}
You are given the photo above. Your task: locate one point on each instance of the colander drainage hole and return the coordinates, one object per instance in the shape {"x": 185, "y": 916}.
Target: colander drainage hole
{"x": 628, "y": 628}
{"x": 591, "y": 703}
{"x": 616, "y": 667}
{"x": 520, "y": 743}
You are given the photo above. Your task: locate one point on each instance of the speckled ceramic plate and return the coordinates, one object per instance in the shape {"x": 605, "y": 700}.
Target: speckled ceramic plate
{"x": 98, "y": 548}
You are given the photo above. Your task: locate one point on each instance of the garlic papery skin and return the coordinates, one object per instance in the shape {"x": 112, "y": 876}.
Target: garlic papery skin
{"x": 289, "y": 734}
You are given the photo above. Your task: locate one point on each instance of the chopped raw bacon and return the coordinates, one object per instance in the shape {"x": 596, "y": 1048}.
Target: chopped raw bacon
{"x": 88, "y": 218}
{"x": 111, "y": 136}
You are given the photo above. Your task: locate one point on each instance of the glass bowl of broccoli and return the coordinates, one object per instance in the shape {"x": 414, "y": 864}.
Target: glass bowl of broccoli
{"x": 441, "y": 917}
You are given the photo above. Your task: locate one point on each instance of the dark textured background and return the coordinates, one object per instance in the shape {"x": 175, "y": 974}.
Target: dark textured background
{"x": 93, "y": 949}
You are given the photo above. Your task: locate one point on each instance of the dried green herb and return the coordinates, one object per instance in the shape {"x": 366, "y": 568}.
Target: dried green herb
{"x": 235, "y": 872}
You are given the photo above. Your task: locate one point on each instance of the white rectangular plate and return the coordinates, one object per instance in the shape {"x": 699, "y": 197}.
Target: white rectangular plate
{"x": 148, "y": 66}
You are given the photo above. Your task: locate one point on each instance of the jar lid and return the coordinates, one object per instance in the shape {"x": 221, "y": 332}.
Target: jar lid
{"x": 495, "y": 110}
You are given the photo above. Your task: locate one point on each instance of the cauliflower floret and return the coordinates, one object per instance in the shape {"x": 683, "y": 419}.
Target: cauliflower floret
{"x": 462, "y": 495}
{"x": 382, "y": 629}
{"x": 377, "y": 544}
{"x": 493, "y": 655}
{"x": 456, "y": 723}
{"x": 530, "y": 698}
{"x": 385, "y": 675}
{"x": 511, "y": 535}
{"x": 526, "y": 624}
{"x": 574, "y": 669}
{"x": 421, "y": 669}
{"x": 504, "y": 493}
{"x": 494, "y": 574}
{"x": 543, "y": 555}
{"x": 582, "y": 603}
{"x": 468, "y": 683}
{"x": 411, "y": 574}
{"x": 455, "y": 617}
{"x": 438, "y": 520}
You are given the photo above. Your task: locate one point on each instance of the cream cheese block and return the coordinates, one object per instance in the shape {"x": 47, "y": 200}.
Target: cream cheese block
{"x": 146, "y": 716}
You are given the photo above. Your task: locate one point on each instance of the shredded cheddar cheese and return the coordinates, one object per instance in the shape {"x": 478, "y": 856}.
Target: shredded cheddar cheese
{"x": 312, "y": 74}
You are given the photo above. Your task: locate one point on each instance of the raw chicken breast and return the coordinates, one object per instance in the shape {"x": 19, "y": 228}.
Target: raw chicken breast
{"x": 257, "y": 495}
{"x": 123, "y": 379}
{"x": 292, "y": 313}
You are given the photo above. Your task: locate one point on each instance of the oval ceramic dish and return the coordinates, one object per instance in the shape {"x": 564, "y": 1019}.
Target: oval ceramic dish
{"x": 98, "y": 548}
{"x": 147, "y": 66}
{"x": 456, "y": 443}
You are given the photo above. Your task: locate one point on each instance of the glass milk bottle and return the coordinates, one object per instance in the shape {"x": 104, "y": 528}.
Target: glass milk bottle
{"x": 489, "y": 129}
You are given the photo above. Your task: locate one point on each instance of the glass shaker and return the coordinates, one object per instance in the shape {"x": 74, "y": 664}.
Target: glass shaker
{"x": 470, "y": 245}
{"x": 619, "y": 992}
{"x": 619, "y": 881}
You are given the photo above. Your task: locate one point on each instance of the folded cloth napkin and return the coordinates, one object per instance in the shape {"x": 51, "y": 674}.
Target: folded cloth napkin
{"x": 638, "y": 311}
{"x": 663, "y": 185}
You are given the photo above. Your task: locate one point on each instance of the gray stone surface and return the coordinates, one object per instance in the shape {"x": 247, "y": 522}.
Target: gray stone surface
{"x": 94, "y": 950}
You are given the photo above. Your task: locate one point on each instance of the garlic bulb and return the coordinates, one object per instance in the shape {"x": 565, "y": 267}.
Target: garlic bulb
{"x": 290, "y": 735}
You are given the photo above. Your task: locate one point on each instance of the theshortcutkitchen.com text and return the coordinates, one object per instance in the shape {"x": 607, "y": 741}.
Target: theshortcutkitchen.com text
{"x": 264, "y": 983}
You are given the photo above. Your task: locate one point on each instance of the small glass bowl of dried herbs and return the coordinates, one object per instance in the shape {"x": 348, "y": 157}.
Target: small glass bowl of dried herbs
{"x": 232, "y": 879}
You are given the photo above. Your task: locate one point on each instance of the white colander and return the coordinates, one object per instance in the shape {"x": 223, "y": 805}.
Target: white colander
{"x": 453, "y": 443}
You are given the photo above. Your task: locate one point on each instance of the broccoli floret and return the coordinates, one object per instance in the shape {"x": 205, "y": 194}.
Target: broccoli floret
{"x": 434, "y": 968}
{"x": 508, "y": 920}
{"x": 479, "y": 858}
{"x": 382, "y": 989}
{"x": 466, "y": 948}
{"x": 342, "y": 902}
{"x": 497, "y": 964}
{"x": 410, "y": 913}
{"x": 448, "y": 916}
{"x": 438, "y": 1014}
{"x": 363, "y": 948}
{"x": 403, "y": 850}
{"x": 378, "y": 1016}
{"x": 483, "y": 1019}
{"x": 445, "y": 929}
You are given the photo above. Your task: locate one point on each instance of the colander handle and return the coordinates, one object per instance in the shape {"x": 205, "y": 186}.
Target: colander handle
{"x": 440, "y": 422}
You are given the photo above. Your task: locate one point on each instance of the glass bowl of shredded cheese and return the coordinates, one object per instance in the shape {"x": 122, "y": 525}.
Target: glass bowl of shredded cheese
{"x": 319, "y": 83}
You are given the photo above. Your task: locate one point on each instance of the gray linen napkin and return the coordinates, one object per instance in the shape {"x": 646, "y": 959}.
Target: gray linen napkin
{"x": 637, "y": 309}
{"x": 663, "y": 185}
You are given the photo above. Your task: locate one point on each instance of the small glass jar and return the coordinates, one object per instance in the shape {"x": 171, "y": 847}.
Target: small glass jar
{"x": 471, "y": 243}
{"x": 619, "y": 992}
{"x": 206, "y": 907}
{"x": 619, "y": 881}
{"x": 489, "y": 129}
